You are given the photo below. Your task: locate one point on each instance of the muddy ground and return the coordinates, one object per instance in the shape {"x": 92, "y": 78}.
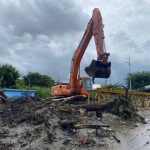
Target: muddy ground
{"x": 24, "y": 124}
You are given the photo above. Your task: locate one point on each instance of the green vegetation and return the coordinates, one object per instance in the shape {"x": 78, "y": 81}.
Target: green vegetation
{"x": 42, "y": 92}
{"x": 139, "y": 79}
{"x": 116, "y": 86}
{"x": 37, "y": 79}
{"x": 10, "y": 78}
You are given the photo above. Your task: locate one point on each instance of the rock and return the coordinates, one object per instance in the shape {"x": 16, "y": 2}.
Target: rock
{"x": 123, "y": 122}
{"x": 82, "y": 112}
{"x": 136, "y": 125}
{"x": 101, "y": 144}
{"x": 67, "y": 141}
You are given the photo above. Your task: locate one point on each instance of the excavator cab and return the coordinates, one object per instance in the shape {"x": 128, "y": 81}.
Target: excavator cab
{"x": 85, "y": 85}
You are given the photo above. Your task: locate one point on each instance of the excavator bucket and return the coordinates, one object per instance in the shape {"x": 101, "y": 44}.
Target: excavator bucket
{"x": 98, "y": 70}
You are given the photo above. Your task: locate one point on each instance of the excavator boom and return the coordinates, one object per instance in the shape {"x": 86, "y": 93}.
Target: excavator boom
{"x": 99, "y": 68}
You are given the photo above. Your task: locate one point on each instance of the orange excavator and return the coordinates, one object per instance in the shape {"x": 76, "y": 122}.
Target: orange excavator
{"x": 99, "y": 68}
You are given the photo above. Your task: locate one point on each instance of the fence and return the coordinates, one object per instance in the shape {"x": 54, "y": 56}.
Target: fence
{"x": 137, "y": 98}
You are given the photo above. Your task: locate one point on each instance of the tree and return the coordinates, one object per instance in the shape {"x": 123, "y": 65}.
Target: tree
{"x": 8, "y": 76}
{"x": 37, "y": 79}
{"x": 20, "y": 83}
{"x": 138, "y": 79}
{"x": 116, "y": 86}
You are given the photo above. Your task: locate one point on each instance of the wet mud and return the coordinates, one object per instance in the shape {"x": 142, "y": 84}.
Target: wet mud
{"x": 32, "y": 124}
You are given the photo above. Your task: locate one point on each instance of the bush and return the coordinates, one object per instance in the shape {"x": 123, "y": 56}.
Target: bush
{"x": 42, "y": 92}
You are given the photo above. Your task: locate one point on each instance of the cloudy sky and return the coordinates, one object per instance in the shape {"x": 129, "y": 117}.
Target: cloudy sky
{"x": 42, "y": 35}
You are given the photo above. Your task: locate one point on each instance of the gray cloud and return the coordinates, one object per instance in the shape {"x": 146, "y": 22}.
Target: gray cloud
{"x": 127, "y": 35}
{"x": 41, "y": 35}
{"x": 42, "y": 17}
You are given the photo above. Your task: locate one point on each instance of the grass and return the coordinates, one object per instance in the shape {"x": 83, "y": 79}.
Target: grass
{"x": 42, "y": 92}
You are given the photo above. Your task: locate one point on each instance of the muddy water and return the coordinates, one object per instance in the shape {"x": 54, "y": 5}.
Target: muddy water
{"x": 138, "y": 139}
{"x": 133, "y": 135}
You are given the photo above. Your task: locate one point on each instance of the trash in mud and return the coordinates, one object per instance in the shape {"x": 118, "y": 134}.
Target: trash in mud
{"x": 39, "y": 124}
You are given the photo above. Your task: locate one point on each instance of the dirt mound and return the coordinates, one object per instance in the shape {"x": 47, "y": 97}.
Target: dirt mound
{"x": 24, "y": 110}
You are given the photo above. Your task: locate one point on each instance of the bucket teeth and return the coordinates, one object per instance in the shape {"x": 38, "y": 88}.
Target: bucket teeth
{"x": 98, "y": 70}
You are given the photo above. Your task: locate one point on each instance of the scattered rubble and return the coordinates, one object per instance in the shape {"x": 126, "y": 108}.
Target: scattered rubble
{"x": 32, "y": 123}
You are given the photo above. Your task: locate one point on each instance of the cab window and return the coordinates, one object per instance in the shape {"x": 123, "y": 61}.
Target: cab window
{"x": 87, "y": 84}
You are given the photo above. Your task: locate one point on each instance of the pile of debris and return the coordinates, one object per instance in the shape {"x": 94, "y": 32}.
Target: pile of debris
{"x": 33, "y": 123}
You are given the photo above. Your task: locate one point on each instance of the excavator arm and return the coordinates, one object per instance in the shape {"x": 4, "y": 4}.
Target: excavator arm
{"x": 99, "y": 68}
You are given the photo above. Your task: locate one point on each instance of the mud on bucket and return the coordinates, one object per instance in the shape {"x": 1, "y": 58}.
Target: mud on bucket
{"x": 98, "y": 70}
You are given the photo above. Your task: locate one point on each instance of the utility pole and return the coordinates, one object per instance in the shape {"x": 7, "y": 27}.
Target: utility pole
{"x": 29, "y": 80}
{"x": 129, "y": 63}
{"x": 29, "y": 84}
